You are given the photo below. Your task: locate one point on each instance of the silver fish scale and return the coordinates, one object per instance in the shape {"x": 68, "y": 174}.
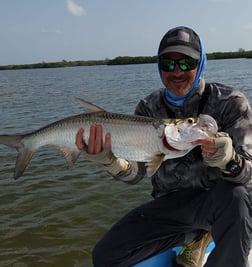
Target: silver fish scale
{"x": 133, "y": 137}
{"x": 134, "y": 142}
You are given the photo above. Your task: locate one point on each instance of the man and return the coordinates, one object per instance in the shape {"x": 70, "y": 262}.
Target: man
{"x": 207, "y": 190}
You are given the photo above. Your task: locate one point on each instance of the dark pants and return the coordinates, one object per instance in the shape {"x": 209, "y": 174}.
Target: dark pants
{"x": 172, "y": 220}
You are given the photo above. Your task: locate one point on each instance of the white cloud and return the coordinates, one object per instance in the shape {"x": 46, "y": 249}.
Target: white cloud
{"x": 75, "y": 9}
{"x": 248, "y": 26}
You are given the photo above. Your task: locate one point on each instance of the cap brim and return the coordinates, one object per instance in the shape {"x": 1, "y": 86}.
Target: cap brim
{"x": 181, "y": 49}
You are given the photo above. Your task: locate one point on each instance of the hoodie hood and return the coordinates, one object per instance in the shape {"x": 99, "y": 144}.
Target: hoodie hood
{"x": 179, "y": 100}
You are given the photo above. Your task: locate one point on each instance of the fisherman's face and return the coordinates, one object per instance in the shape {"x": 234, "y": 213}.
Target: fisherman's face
{"x": 179, "y": 82}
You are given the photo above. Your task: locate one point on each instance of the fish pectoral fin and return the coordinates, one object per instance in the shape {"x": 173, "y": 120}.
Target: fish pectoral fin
{"x": 89, "y": 107}
{"x": 154, "y": 164}
{"x": 71, "y": 155}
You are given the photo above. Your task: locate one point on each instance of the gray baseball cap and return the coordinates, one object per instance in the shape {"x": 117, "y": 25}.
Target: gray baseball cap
{"x": 181, "y": 40}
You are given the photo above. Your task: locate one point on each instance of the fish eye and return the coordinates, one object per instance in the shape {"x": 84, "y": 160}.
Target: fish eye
{"x": 190, "y": 120}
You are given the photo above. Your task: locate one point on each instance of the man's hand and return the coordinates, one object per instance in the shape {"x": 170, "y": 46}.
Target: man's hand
{"x": 95, "y": 150}
{"x": 217, "y": 151}
{"x": 95, "y": 142}
{"x": 98, "y": 151}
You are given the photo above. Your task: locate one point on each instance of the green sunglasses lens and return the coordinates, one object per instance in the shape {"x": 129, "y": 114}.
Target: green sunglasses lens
{"x": 167, "y": 64}
{"x": 185, "y": 64}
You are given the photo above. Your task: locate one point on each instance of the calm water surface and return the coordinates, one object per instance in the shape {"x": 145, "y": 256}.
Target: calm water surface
{"x": 53, "y": 216}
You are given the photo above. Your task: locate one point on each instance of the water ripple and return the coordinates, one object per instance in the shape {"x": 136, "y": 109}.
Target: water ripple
{"x": 53, "y": 216}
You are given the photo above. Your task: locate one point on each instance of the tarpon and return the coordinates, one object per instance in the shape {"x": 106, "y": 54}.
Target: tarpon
{"x": 136, "y": 138}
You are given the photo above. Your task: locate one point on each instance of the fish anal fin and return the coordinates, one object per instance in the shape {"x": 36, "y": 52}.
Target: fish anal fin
{"x": 154, "y": 164}
{"x": 23, "y": 159}
{"x": 71, "y": 155}
{"x": 90, "y": 107}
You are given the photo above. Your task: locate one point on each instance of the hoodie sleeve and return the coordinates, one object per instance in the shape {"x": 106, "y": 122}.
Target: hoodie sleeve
{"x": 237, "y": 122}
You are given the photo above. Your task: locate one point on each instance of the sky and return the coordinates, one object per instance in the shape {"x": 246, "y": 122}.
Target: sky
{"x": 33, "y": 31}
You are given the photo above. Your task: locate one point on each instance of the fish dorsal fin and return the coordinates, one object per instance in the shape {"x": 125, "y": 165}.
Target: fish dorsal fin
{"x": 154, "y": 164}
{"x": 89, "y": 107}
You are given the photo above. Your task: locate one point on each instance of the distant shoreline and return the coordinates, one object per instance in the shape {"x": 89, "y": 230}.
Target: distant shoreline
{"x": 125, "y": 60}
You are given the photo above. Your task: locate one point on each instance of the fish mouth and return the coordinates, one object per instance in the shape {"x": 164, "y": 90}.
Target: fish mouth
{"x": 168, "y": 146}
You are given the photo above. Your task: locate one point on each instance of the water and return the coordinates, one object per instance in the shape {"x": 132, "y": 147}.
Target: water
{"x": 53, "y": 216}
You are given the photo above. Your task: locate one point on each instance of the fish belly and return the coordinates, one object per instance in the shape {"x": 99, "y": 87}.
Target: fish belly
{"x": 136, "y": 142}
{"x": 132, "y": 142}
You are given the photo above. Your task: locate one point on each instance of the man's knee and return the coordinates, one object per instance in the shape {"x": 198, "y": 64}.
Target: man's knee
{"x": 232, "y": 191}
{"x": 231, "y": 200}
{"x": 240, "y": 199}
{"x": 104, "y": 254}
{"x": 99, "y": 255}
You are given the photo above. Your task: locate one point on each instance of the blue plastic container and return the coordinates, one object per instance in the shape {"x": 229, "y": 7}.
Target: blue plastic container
{"x": 166, "y": 258}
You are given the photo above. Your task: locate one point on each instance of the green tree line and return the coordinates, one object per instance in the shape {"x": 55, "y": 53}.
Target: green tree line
{"x": 122, "y": 60}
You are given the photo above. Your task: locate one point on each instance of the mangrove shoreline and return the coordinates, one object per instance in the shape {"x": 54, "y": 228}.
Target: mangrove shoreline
{"x": 124, "y": 60}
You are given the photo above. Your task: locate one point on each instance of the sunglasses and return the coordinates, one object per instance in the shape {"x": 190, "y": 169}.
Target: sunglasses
{"x": 185, "y": 64}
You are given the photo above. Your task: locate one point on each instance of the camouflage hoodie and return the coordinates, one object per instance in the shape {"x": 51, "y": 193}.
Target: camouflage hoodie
{"x": 232, "y": 112}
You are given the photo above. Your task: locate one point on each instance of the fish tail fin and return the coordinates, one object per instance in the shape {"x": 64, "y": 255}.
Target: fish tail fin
{"x": 11, "y": 140}
{"x": 23, "y": 159}
{"x": 24, "y": 153}
{"x": 154, "y": 164}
